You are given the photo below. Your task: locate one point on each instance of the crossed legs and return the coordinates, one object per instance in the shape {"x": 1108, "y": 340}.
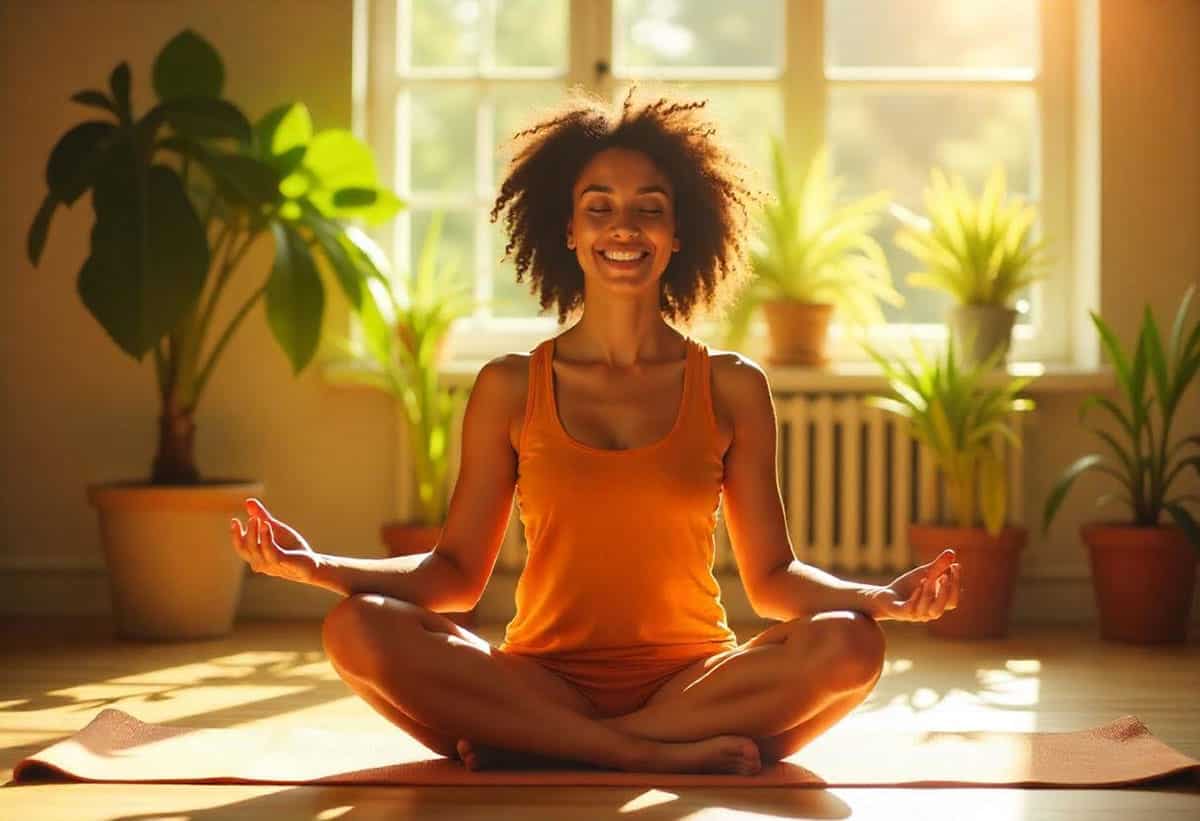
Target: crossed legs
{"x": 441, "y": 683}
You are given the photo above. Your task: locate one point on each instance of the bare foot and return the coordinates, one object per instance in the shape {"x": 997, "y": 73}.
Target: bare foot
{"x": 720, "y": 754}
{"x": 481, "y": 757}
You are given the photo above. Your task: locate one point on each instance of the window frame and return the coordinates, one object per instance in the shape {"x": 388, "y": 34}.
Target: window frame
{"x": 804, "y": 83}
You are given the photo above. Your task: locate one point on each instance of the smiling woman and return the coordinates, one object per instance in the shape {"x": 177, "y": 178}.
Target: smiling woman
{"x": 677, "y": 157}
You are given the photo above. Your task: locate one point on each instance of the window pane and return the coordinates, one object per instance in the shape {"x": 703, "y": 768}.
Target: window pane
{"x": 746, "y": 117}
{"x": 930, "y": 33}
{"x": 531, "y": 33}
{"x": 445, "y": 32}
{"x": 891, "y": 139}
{"x": 443, "y": 139}
{"x": 512, "y": 298}
{"x": 454, "y": 256}
{"x": 697, "y": 33}
{"x": 517, "y": 108}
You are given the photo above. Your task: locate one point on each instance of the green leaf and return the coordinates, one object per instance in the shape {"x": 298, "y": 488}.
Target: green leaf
{"x": 1059, "y": 491}
{"x": 71, "y": 169}
{"x": 246, "y": 180}
{"x": 283, "y": 129}
{"x": 338, "y": 159}
{"x": 118, "y": 83}
{"x": 96, "y": 99}
{"x": 295, "y": 298}
{"x": 149, "y": 256}
{"x": 328, "y": 234}
{"x": 203, "y": 118}
{"x": 36, "y": 240}
{"x": 993, "y": 491}
{"x": 188, "y": 66}
{"x": 1113, "y": 348}
{"x": 1186, "y": 523}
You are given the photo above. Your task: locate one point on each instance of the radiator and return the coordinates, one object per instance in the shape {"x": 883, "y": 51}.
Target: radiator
{"x": 851, "y": 479}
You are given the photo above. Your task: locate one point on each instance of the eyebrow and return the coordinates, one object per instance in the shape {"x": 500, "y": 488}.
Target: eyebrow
{"x": 647, "y": 189}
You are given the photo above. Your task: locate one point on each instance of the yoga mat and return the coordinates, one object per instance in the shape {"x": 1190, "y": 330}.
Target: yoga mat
{"x": 117, "y": 747}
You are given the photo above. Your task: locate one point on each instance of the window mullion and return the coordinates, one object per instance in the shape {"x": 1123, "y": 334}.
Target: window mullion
{"x": 590, "y": 43}
{"x": 804, "y": 88}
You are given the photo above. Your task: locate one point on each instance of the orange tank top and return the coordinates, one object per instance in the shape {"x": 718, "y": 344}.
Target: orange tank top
{"x": 620, "y": 542}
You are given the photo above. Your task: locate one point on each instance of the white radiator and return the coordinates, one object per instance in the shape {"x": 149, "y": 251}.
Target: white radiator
{"x": 851, "y": 478}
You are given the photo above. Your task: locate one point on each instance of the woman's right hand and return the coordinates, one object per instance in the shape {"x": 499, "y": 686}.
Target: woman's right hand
{"x": 274, "y": 548}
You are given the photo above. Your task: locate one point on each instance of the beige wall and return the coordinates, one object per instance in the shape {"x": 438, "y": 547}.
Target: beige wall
{"x": 77, "y": 410}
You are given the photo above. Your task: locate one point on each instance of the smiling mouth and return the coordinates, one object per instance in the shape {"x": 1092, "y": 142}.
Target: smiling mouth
{"x": 643, "y": 257}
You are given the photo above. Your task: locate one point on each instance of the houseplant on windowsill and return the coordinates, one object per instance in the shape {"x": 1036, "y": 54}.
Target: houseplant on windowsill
{"x": 980, "y": 252}
{"x": 1143, "y": 569}
{"x": 179, "y": 197}
{"x": 963, "y": 423}
{"x": 812, "y": 256}
{"x": 404, "y": 362}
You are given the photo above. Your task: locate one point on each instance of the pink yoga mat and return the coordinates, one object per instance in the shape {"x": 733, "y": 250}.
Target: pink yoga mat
{"x": 117, "y": 747}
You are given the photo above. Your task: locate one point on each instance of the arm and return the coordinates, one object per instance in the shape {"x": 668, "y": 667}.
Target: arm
{"x": 452, "y": 577}
{"x": 778, "y": 585}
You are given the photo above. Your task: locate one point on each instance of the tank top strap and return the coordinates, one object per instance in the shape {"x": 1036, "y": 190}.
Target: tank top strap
{"x": 700, "y": 385}
{"x": 536, "y": 397}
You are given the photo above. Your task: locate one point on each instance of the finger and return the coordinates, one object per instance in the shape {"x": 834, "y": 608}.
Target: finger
{"x": 254, "y": 541}
{"x": 925, "y": 603}
{"x": 241, "y": 543}
{"x": 955, "y": 586}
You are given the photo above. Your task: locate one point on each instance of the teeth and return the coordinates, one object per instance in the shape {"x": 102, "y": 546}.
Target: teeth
{"x": 620, "y": 256}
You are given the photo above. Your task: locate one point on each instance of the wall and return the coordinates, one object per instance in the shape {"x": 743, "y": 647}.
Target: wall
{"x": 76, "y": 410}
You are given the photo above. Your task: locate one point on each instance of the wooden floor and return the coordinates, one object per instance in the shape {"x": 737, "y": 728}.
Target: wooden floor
{"x": 57, "y": 675}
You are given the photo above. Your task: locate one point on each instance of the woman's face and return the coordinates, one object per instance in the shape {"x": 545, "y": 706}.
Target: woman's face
{"x": 622, "y": 202}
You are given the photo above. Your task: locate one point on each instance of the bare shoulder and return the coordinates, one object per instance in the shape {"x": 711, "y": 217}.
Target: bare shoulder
{"x": 741, "y": 393}
{"x": 504, "y": 382}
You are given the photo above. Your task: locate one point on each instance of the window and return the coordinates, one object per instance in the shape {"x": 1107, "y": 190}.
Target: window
{"x": 893, "y": 86}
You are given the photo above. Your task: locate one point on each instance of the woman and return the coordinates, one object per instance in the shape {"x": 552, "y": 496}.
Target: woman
{"x": 621, "y": 436}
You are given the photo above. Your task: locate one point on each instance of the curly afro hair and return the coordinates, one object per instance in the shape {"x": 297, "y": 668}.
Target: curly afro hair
{"x": 711, "y": 199}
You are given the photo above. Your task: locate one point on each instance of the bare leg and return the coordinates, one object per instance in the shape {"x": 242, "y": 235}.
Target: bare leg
{"x": 444, "y": 677}
{"x": 783, "y": 687}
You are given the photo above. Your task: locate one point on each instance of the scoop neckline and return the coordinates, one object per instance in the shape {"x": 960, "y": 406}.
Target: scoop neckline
{"x": 687, "y": 384}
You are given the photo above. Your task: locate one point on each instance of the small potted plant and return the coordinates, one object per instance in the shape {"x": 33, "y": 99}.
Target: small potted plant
{"x": 810, "y": 257}
{"x": 1144, "y": 569}
{"x": 180, "y": 196}
{"x": 405, "y": 365}
{"x": 963, "y": 421}
{"x": 980, "y": 252}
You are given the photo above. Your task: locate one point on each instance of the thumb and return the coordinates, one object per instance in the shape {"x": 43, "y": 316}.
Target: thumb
{"x": 256, "y": 508}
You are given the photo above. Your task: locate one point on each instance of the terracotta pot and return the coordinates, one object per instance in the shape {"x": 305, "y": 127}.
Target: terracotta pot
{"x": 979, "y": 331}
{"x": 1144, "y": 579}
{"x": 172, "y": 573}
{"x": 797, "y": 332}
{"x": 406, "y": 539}
{"x": 989, "y": 576}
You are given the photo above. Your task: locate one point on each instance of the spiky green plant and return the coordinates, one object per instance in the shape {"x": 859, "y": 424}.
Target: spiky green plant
{"x": 979, "y": 250}
{"x": 957, "y": 417}
{"x": 1147, "y": 463}
{"x": 811, "y": 249}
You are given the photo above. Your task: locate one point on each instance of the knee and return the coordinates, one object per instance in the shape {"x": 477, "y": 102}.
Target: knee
{"x": 855, "y": 646}
{"x": 351, "y": 630}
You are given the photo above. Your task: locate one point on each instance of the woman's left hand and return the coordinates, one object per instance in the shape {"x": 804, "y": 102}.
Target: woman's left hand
{"x": 921, "y": 594}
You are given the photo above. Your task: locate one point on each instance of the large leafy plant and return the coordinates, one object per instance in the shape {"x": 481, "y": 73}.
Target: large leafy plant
{"x": 1142, "y": 458}
{"x": 810, "y": 248}
{"x": 180, "y": 196}
{"x": 963, "y": 423}
{"x": 404, "y": 363}
{"x": 980, "y": 251}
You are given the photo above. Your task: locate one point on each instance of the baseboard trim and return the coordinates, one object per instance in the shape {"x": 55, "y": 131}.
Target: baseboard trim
{"x": 84, "y": 592}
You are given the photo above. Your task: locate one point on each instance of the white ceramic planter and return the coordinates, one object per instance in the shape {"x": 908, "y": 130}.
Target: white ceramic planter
{"x": 172, "y": 571}
{"x": 979, "y": 330}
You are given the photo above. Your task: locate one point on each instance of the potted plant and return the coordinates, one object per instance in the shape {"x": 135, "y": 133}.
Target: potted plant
{"x": 406, "y": 365}
{"x": 1143, "y": 569}
{"x": 980, "y": 252}
{"x": 810, "y": 257}
{"x": 963, "y": 421}
{"x": 180, "y": 195}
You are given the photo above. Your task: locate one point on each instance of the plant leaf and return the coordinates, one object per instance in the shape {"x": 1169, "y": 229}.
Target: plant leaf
{"x": 188, "y": 66}
{"x": 1186, "y": 523}
{"x": 295, "y": 297}
{"x": 1059, "y": 491}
